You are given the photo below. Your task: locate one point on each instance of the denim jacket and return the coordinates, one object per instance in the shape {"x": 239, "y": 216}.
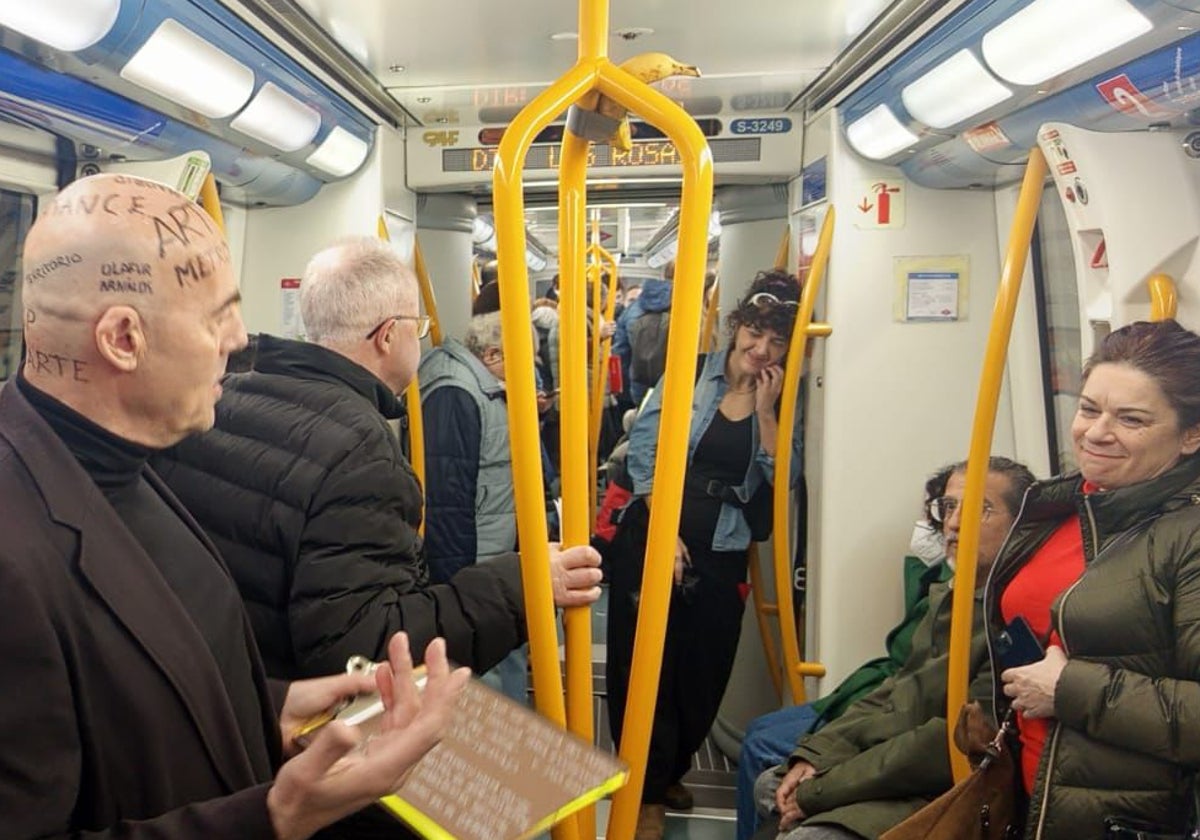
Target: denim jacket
{"x": 732, "y": 533}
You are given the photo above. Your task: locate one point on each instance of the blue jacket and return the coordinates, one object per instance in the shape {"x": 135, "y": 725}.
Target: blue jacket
{"x": 732, "y": 532}
{"x": 655, "y": 297}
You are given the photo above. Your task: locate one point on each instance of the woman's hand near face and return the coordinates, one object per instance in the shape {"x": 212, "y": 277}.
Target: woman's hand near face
{"x": 1031, "y": 687}
{"x": 769, "y": 387}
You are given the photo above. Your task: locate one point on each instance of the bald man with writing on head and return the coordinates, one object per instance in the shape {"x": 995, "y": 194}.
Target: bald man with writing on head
{"x": 134, "y": 701}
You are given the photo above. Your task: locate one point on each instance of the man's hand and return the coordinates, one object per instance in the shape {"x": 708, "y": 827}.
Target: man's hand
{"x": 308, "y": 698}
{"x": 574, "y": 575}
{"x": 785, "y": 796}
{"x": 340, "y": 773}
{"x": 682, "y": 559}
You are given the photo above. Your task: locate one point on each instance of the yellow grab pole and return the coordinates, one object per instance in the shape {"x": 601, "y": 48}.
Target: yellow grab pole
{"x": 781, "y": 256}
{"x": 517, "y": 339}
{"x": 476, "y": 280}
{"x": 981, "y": 447}
{"x": 710, "y": 318}
{"x": 1163, "y": 299}
{"x": 210, "y": 200}
{"x": 761, "y": 610}
{"x": 671, "y": 453}
{"x": 599, "y": 359}
{"x": 427, "y": 298}
{"x": 412, "y": 401}
{"x": 781, "y": 495}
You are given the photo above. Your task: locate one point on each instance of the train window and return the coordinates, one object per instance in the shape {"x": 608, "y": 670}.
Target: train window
{"x": 16, "y": 215}
{"x": 1058, "y": 327}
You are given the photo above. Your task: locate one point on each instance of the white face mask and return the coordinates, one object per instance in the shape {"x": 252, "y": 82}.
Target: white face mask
{"x": 927, "y": 544}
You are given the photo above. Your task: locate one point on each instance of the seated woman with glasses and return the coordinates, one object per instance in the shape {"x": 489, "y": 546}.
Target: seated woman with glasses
{"x": 1104, "y": 566}
{"x": 731, "y": 451}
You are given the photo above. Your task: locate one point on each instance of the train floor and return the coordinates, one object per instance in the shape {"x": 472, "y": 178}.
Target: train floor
{"x": 711, "y": 779}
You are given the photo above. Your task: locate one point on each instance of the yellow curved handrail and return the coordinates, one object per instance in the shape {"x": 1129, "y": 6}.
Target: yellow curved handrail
{"x": 1164, "y": 300}
{"x": 711, "y": 310}
{"x": 981, "y": 447}
{"x": 210, "y": 200}
{"x": 593, "y": 70}
{"x": 761, "y": 610}
{"x": 476, "y": 280}
{"x": 427, "y": 298}
{"x": 794, "y": 667}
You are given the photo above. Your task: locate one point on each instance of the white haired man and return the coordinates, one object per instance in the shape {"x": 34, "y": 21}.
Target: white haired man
{"x": 304, "y": 488}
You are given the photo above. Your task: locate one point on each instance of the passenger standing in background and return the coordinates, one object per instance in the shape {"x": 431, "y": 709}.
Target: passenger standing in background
{"x": 1104, "y": 565}
{"x": 304, "y": 488}
{"x": 770, "y": 739}
{"x": 640, "y": 336}
{"x": 471, "y": 514}
{"x": 886, "y": 757}
{"x": 134, "y": 703}
{"x": 731, "y": 452}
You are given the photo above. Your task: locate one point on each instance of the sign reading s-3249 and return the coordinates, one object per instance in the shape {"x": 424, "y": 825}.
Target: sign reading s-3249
{"x": 761, "y": 125}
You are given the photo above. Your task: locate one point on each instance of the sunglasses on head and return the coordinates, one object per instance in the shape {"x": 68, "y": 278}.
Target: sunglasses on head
{"x": 768, "y": 299}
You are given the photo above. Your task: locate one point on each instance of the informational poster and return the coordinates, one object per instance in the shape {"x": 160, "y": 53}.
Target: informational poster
{"x": 290, "y": 325}
{"x": 931, "y": 288}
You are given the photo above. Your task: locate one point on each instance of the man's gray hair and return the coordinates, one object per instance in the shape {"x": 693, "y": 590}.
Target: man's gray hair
{"x": 352, "y": 286}
{"x": 483, "y": 331}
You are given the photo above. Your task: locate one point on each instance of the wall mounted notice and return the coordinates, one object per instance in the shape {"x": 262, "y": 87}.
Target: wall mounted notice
{"x": 290, "y": 325}
{"x": 931, "y": 288}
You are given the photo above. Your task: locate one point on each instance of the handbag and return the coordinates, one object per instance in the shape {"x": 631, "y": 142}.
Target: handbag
{"x": 980, "y": 807}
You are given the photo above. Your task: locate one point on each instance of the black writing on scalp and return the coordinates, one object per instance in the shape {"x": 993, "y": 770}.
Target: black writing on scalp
{"x": 179, "y": 227}
{"x": 113, "y": 204}
{"x": 202, "y": 265}
{"x": 52, "y": 265}
{"x": 137, "y": 287}
{"x": 54, "y": 364}
{"x": 116, "y": 269}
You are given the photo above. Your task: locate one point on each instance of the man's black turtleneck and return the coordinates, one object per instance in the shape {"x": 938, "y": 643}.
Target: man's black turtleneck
{"x": 204, "y": 589}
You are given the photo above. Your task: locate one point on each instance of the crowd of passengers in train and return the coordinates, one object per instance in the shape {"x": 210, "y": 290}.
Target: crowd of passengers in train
{"x": 190, "y": 559}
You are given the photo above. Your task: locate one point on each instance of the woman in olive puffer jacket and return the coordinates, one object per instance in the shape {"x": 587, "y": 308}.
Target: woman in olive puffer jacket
{"x": 1104, "y": 565}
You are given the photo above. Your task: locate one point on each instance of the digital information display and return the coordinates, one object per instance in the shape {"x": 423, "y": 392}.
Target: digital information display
{"x": 643, "y": 153}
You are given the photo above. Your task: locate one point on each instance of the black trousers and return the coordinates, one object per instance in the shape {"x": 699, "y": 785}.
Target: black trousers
{"x": 703, "y": 626}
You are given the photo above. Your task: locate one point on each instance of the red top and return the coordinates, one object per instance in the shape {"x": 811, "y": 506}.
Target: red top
{"x": 1053, "y": 568}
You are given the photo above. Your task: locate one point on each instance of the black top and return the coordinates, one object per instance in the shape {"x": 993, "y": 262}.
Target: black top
{"x": 722, "y": 455}
{"x": 203, "y": 586}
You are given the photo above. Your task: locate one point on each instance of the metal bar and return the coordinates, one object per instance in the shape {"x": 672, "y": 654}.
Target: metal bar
{"x": 711, "y": 314}
{"x": 671, "y": 454}
{"x": 517, "y": 339}
{"x": 427, "y": 298}
{"x": 761, "y": 610}
{"x": 210, "y": 200}
{"x": 981, "y": 447}
{"x": 785, "y": 246}
{"x": 781, "y": 542}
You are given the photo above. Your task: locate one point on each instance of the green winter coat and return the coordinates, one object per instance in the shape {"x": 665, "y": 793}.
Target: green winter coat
{"x": 887, "y": 756}
{"x": 1127, "y": 739}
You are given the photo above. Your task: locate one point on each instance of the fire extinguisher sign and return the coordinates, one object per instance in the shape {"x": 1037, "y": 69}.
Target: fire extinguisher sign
{"x": 880, "y": 205}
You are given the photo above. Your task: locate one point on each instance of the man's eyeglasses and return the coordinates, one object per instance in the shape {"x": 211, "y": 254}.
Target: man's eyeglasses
{"x": 423, "y": 323}
{"x": 944, "y": 508}
{"x": 768, "y": 299}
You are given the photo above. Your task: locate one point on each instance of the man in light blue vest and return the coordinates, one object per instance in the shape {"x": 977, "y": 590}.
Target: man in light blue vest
{"x": 469, "y": 505}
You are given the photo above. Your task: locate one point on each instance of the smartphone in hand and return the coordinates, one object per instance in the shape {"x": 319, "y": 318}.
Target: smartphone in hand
{"x": 1018, "y": 645}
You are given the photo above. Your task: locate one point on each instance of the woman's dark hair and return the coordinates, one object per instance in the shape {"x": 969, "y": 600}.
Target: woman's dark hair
{"x": 767, "y": 314}
{"x": 1164, "y": 351}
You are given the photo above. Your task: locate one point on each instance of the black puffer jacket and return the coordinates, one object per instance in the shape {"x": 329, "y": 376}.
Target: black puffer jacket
{"x": 304, "y": 489}
{"x": 1125, "y": 744}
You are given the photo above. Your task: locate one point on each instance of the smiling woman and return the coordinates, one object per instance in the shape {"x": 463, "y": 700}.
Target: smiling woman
{"x": 1103, "y": 565}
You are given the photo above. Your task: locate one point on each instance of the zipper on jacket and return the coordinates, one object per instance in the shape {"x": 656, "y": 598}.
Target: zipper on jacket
{"x": 1043, "y": 806}
{"x": 1087, "y": 506}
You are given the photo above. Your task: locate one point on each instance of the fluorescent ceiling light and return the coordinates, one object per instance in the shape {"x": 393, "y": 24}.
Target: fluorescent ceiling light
{"x": 340, "y": 153}
{"x": 1049, "y": 37}
{"x": 180, "y": 65}
{"x": 952, "y": 91}
{"x": 878, "y": 134}
{"x": 67, "y": 25}
{"x": 279, "y": 119}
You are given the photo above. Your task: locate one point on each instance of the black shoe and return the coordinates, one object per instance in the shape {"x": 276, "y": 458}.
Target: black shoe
{"x": 678, "y": 798}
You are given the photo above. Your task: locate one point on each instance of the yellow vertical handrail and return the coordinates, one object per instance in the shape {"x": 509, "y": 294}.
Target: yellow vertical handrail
{"x": 986, "y": 404}
{"x": 785, "y": 247}
{"x": 600, "y": 361}
{"x": 476, "y": 280}
{"x": 593, "y": 70}
{"x": 711, "y": 310}
{"x": 794, "y": 667}
{"x": 1164, "y": 300}
{"x": 210, "y": 200}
